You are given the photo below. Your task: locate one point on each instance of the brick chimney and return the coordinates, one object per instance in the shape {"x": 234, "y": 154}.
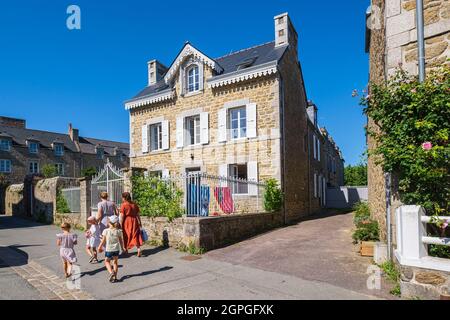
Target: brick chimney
{"x": 73, "y": 133}
{"x": 13, "y": 122}
{"x": 156, "y": 71}
{"x": 285, "y": 33}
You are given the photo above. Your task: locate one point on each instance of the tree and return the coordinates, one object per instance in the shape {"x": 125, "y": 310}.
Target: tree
{"x": 49, "y": 171}
{"x": 355, "y": 175}
{"x": 88, "y": 172}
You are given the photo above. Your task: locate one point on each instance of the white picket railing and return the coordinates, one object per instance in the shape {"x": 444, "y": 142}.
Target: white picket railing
{"x": 413, "y": 240}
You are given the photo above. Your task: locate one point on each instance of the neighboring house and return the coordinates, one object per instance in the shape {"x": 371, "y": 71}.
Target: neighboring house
{"x": 25, "y": 151}
{"x": 242, "y": 115}
{"x": 325, "y": 161}
{"x": 391, "y": 41}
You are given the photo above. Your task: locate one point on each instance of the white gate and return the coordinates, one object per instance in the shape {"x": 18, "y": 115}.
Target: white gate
{"x": 109, "y": 179}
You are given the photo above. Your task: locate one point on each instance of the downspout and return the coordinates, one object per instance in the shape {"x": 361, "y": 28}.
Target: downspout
{"x": 283, "y": 153}
{"x": 420, "y": 39}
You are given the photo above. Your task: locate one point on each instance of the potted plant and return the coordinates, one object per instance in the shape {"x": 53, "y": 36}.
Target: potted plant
{"x": 366, "y": 233}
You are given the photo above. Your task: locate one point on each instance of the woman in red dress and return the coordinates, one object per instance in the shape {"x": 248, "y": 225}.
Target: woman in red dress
{"x": 131, "y": 224}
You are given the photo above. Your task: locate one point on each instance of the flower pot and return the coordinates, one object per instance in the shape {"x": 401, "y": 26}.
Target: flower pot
{"x": 367, "y": 248}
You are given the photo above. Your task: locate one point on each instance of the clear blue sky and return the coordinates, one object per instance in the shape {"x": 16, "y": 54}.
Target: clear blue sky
{"x": 52, "y": 76}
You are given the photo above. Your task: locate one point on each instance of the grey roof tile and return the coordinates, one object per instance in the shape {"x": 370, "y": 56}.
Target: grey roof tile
{"x": 46, "y": 139}
{"x": 263, "y": 53}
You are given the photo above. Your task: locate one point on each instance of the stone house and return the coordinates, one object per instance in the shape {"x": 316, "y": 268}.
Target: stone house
{"x": 391, "y": 41}
{"x": 25, "y": 151}
{"x": 243, "y": 115}
{"x": 326, "y": 162}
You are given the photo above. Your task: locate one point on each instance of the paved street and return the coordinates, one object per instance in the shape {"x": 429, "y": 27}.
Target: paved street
{"x": 283, "y": 264}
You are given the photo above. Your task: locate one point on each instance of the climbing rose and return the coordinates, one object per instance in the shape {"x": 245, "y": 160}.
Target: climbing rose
{"x": 427, "y": 146}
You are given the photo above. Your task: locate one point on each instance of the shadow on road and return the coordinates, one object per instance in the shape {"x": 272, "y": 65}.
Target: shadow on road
{"x": 8, "y": 222}
{"x": 12, "y": 256}
{"x": 143, "y": 274}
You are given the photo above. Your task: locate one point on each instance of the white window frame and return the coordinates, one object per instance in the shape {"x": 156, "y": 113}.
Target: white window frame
{"x": 159, "y": 133}
{"x": 33, "y": 167}
{"x": 31, "y": 148}
{"x": 5, "y": 145}
{"x": 60, "y": 168}
{"x": 239, "y": 123}
{"x": 195, "y": 78}
{"x": 197, "y": 130}
{"x": 59, "y": 147}
{"x": 238, "y": 188}
{"x": 5, "y": 166}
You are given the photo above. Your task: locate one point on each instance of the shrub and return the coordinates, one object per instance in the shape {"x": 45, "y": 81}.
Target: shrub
{"x": 367, "y": 231}
{"x": 49, "y": 171}
{"x": 273, "y": 197}
{"x": 61, "y": 203}
{"x": 157, "y": 197}
{"x": 393, "y": 274}
{"x": 88, "y": 172}
{"x": 412, "y": 143}
{"x": 361, "y": 212}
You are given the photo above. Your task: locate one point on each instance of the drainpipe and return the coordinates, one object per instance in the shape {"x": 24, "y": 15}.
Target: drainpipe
{"x": 420, "y": 39}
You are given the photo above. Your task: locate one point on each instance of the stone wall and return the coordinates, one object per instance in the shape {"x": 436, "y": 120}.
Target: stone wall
{"x": 423, "y": 283}
{"x": 14, "y": 200}
{"x": 264, "y": 149}
{"x": 209, "y": 233}
{"x": 397, "y": 38}
{"x": 401, "y": 34}
{"x": 74, "y": 219}
{"x": 376, "y": 190}
{"x": 36, "y": 199}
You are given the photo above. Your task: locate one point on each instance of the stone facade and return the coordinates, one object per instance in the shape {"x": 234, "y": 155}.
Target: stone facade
{"x": 209, "y": 233}
{"x": 78, "y": 152}
{"x": 277, "y": 149}
{"x": 397, "y": 38}
{"x": 423, "y": 283}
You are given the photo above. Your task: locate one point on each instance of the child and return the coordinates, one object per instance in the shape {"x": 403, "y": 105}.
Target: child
{"x": 113, "y": 239}
{"x": 93, "y": 236}
{"x": 66, "y": 241}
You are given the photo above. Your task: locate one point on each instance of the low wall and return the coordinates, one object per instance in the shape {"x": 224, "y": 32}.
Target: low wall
{"x": 14, "y": 203}
{"x": 73, "y": 218}
{"x": 423, "y": 283}
{"x": 211, "y": 232}
{"x": 345, "y": 197}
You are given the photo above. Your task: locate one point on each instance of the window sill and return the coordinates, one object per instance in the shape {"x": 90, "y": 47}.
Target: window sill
{"x": 191, "y": 94}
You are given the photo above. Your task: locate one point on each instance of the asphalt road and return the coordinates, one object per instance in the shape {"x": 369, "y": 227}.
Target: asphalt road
{"x": 161, "y": 273}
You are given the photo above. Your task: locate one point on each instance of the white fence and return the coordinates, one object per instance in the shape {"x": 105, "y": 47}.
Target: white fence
{"x": 413, "y": 240}
{"x": 345, "y": 197}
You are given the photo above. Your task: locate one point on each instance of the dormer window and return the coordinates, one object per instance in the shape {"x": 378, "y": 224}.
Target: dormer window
{"x": 5, "y": 145}
{"x": 33, "y": 147}
{"x": 193, "y": 79}
{"x": 59, "y": 149}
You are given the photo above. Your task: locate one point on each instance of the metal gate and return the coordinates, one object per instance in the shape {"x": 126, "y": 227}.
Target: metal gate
{"x": 111, "y": 180}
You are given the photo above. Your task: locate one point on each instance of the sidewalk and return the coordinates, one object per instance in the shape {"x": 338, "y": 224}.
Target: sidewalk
{"x": 159, "y": 274}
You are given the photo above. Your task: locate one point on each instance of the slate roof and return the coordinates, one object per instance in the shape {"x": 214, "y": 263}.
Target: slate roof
{"x": 19, "y": 136}
{"x": 230, "y": 63}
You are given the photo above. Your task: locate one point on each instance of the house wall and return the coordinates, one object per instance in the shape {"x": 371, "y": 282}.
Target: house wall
{"x": 397, "y": 38}
{"x": 20, "y": 158}
{"x": 294, "y": 153}
{"x": 264, "y": 149}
